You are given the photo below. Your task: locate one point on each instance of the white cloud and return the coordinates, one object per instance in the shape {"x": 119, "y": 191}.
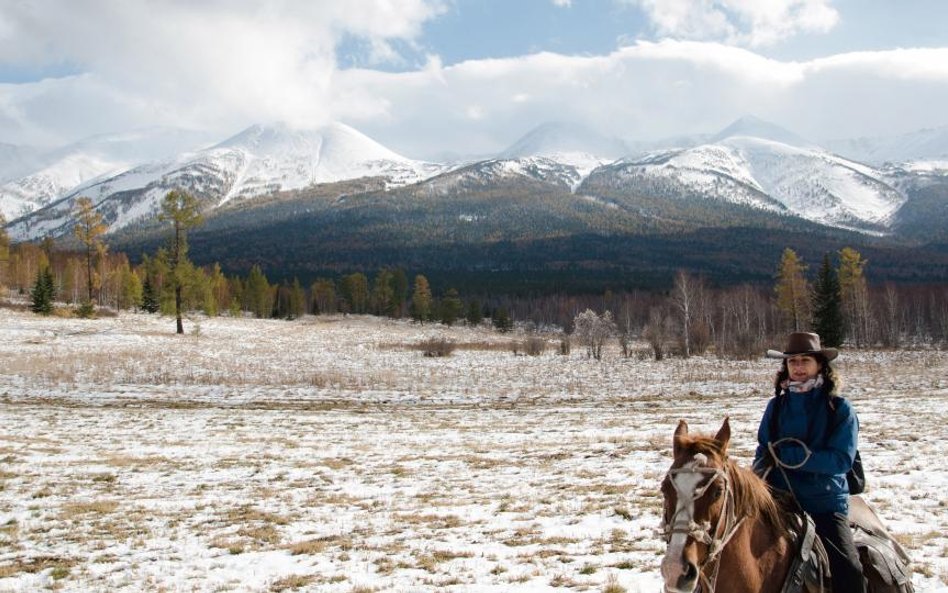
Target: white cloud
{"x": 206, "y": 64}
{"x": 746, "y": 22}
{"x": 647, "y": 91}
{"x": 221, "y": 65}
{"x": 562, "y": 3}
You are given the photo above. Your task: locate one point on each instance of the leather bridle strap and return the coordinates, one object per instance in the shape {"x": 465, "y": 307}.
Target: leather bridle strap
{"x": 702, "y": 533}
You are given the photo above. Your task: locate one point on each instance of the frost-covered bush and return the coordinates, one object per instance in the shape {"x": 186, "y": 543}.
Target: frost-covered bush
{"x": 593, "y": 330}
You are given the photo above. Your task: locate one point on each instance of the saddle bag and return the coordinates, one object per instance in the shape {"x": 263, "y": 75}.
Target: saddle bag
{"x": 886, "y": 571}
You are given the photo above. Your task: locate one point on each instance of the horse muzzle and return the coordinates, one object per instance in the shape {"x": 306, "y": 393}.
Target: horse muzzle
{"x": 679, "y": 576}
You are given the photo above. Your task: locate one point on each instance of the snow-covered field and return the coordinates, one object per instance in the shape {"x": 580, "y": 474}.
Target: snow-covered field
{"x": 328, "y": 454}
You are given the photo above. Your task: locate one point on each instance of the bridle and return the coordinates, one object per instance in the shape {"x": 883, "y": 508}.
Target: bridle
{"x": 727, "y": 523}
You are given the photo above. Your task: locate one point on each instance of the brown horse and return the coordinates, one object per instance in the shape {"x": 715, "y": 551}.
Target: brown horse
{"x": 725, "y": 531}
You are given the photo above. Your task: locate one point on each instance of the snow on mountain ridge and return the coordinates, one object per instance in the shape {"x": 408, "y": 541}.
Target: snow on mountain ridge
{"x": 754, "y": 127}
{"x": 930, "y": 144}
{"x": 555, "y": 138}
{"x": 259, "y": 160}
{"x": 57, "y": 172}
{"x": 818, "y": 185}
{"x": 768, "y": 174}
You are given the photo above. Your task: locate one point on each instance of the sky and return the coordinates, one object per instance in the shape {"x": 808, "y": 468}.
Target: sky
{"x": 431, "y": 78}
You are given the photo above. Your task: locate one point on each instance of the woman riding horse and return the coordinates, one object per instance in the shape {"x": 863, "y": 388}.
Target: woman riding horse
{"x": 807, "y": 444}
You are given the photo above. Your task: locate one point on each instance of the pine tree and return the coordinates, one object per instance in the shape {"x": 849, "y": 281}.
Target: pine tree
{"x": 501, "y": 320}
{"x": 257, "y": 294}
{"x": 828, "y": 318}
{"x": 451, "y": 307}
{"x": 383, "y": 295}
{"x": 149, "y": 295}
{"x": 399, "y": 292}
{"x": 355, "y": 292}
{"x": 793, "y": 293}
{"x": 181, "y": 210}
{"x": 421, "y": 300}
{"x": 474, "y": 313}
{"x": 43, "y": 293}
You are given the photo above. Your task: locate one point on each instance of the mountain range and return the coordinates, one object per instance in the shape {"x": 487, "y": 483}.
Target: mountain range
{"x": 333, "y": 188}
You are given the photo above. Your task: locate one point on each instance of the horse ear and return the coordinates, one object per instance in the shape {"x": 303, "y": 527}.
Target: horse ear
{"x": 680, "y": 432}
{"x": 724, "y": 434}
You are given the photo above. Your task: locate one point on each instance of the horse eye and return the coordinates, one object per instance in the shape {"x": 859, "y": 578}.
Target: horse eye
{"x": 715, "y": 492}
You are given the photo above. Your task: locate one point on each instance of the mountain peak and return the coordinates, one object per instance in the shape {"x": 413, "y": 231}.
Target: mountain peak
{"x": 333, "y": 140}
{"x": 552, "y": 138}
{"x": 752, "y": 126}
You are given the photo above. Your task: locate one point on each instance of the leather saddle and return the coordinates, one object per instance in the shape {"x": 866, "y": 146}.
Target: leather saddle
{"x": 885, "y": 563}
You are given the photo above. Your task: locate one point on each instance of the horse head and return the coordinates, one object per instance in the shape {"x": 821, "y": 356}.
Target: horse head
{"x": 698, "y": 510}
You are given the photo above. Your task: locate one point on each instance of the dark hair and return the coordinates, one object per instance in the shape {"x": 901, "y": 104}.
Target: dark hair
{"x": 830, "y": 378}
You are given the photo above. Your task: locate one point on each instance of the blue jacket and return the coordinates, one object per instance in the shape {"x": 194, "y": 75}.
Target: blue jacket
{"x": 820, "y": 484}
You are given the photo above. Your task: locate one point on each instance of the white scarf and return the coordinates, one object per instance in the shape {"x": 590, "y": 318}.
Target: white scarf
{"x": 803, "y": 386}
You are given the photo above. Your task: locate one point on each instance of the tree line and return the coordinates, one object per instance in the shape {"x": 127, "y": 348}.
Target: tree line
{"x": 692, "y": 317}
{"x": 167, "y": 282}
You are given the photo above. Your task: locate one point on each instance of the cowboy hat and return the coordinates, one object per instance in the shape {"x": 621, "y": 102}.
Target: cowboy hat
{"x": 803, "y": 343}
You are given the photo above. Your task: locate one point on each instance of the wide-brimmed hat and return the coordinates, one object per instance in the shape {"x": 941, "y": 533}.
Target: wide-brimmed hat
{"x": 803, "y": 343}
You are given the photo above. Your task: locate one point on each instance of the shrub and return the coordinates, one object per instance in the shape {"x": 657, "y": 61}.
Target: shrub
{"x": 534, "y": 346}
{"x": 565, "y": 346}
{"x": 86, "y": 310}
{"x": 437, "y": 347}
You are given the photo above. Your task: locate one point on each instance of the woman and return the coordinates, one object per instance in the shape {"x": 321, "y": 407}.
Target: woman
{"x": 823, "y": 425}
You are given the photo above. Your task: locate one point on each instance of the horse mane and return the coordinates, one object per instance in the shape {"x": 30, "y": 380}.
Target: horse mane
{"x": 752, "y": 496}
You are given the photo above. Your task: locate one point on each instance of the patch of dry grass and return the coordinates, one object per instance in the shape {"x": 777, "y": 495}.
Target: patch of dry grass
{"x": 292, "y": 582}
{"x": 36, "y": 564}
{"x": 73, "y": 510}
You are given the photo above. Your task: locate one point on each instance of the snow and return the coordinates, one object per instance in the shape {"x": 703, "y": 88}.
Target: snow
{"x": 56, "y": 173}
{"x": 751, "y": 162}
{"x": 488, "y": 172}
{"x": 258, "y": 161}
{"x": 754, "y": 127}
{"x": 939, "y": 167}
{"x": 808, "y": 182}
{"x": 42, "y": 187}
{"x": 818, "y": 186}
{"x": 921, "y": 145}
{"x": 559, "y": 138}
{"x": 249, "y": 451}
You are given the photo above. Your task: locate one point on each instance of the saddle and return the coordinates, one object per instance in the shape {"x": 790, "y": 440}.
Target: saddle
{"x": 885, "y": 563}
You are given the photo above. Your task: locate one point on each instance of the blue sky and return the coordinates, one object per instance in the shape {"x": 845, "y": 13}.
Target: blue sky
{"x": 477, "y": 29}
{"x": 427, "y": 77}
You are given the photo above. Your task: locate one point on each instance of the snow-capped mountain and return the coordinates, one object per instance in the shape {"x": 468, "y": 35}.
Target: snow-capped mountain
{"x": 277, "y": 157}
{"x": 554, "y": 153}
{"x": 928, "y": 145}
{"x": 569, "y": 144}
{"x": 40, "y": 178}
{"x": 768, "y": 174}
{"x": 751, "y": 164}
{"x": 750, "y": 126}
{"x": 259, "y": 160}
{"x": 492, "y": 172}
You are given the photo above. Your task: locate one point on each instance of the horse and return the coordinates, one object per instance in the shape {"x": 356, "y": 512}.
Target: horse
{"x": 725, "y": 531}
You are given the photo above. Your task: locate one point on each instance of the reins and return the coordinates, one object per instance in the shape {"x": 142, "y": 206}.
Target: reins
{"x": 780, "y": 465}
{"x": 702, "y": 532}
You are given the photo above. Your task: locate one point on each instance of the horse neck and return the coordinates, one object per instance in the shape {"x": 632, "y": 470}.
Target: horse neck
{"x": 757, "y": 558}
